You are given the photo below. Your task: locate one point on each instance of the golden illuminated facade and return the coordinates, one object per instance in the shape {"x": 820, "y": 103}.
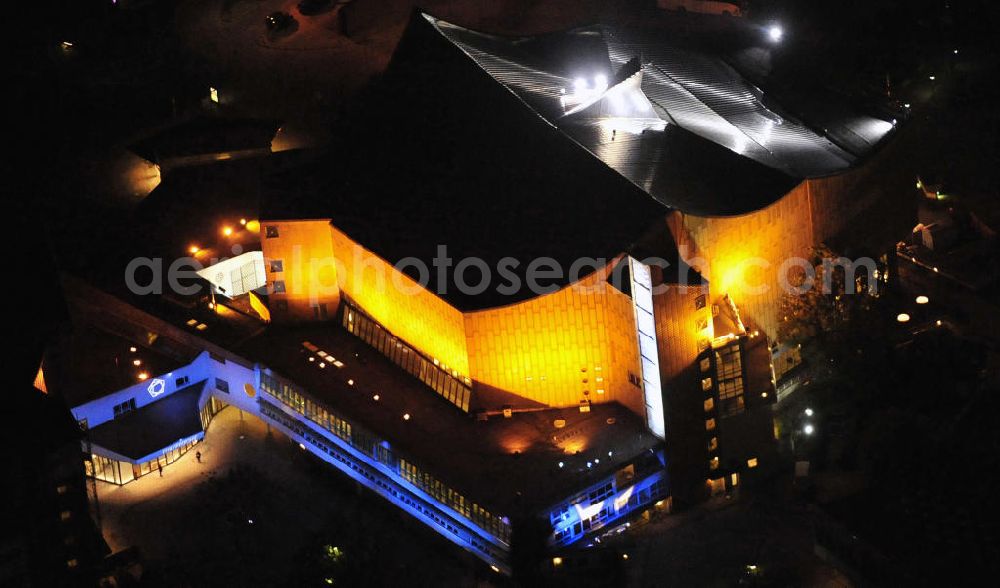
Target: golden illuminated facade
{"x": 301, "y": 278}
{"x": 576, "y": 345}
{"x": 742, "y": 255}
{"x": 571, "y": 346}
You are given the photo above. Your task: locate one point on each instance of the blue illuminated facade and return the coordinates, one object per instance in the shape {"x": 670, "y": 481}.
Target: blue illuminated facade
{"x": 364, "y": 456}
{"x": 612, "y": 500}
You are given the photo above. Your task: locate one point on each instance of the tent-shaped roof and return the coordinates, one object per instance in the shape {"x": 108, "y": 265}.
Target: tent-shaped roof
{"x": 678, "y": 121}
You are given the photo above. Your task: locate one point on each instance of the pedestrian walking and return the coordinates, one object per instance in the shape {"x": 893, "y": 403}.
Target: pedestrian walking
{"x": 159, "y": 468}
{"x": 197, "y": 455}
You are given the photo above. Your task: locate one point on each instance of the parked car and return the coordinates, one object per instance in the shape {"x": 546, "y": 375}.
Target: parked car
{"x": 278, "y": 21}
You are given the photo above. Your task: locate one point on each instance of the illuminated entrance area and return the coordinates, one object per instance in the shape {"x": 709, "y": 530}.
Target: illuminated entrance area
{"x": 122, "y": 472}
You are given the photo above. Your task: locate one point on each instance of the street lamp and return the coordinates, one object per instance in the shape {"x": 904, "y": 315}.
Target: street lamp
{"x": 808, "y": 429}
{"x": 775, "y": 33}
{"x": 809, "y": 412}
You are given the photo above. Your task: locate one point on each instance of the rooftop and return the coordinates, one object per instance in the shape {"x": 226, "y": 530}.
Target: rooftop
{"x": 154, "y": 426}
{"x": 505, "y": 463}
{"x": 675, "y": 115}
{"x": 91, "y": 362}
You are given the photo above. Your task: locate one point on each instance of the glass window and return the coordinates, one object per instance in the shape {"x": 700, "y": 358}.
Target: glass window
{"x": 270, "y": 231}
{"x": 277, "y": 266}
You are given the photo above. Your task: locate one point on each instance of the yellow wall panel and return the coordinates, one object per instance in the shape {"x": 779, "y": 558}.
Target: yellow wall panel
{"x": 554, "y": 347}
{"x": 416, "y": 315}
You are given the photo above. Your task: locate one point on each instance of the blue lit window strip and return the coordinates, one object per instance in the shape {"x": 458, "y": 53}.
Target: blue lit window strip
{"x": 447, "y": 385}
{"x": 616, "y": 504}
{"x": 423, "y": 508}
{"x": 374, "y": 448}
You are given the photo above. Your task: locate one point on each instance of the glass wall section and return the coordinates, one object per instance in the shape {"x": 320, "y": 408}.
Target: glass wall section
{"x": 729, "y": 378}
{"x": 446, "y": 384}
{"x": 166, "y": 458}
{"x": 604, "y": 504}
{"x": 123, "y": 472}
{"x": 208, "y": 412}
{"x": 378, "y": 450}
{"x": 109, "y": 470}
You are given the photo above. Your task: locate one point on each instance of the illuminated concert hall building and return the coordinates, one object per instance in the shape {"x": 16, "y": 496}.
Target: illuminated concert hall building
{"x": 639, "y": 374}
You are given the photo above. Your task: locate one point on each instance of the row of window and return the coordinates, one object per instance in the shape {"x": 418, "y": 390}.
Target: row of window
{"x": 123, "y": 472}
{"x": 409, "y": 472}
{"x": 375, "y": 448}
{"x": 449, "y": 386}
{"x": 729, "y": 376}
{"x": 609, "y": 513}
{"x": 291, "y": 397}
{"x": 472, "y": 511}
{"x": 124, "y": 407}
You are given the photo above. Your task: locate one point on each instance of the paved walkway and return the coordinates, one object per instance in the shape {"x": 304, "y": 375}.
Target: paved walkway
{"x": 130, "y": 514}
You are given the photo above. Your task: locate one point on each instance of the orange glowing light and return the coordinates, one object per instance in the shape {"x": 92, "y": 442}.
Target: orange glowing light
{"x": 194, "y": 249}
{"x": 227, "y": 231}
{"x": 143, "y": 376}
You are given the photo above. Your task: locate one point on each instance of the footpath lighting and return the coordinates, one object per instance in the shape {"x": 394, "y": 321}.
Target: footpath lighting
{"x": 923, "y": 299}
{"x": 775, "y": 33}
{"x": 406, "y": 416}
{"x": 903, "y": 317}
{"x": 143, "y": 376}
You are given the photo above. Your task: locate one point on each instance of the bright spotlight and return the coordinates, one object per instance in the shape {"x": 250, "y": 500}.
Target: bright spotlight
{"x": 808, "y": 429}
{"x": 809, "y": 412}
{"x": 580, "y": 85}
{"x": 601, "y": 81}
{"x": 775, "y": 33}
